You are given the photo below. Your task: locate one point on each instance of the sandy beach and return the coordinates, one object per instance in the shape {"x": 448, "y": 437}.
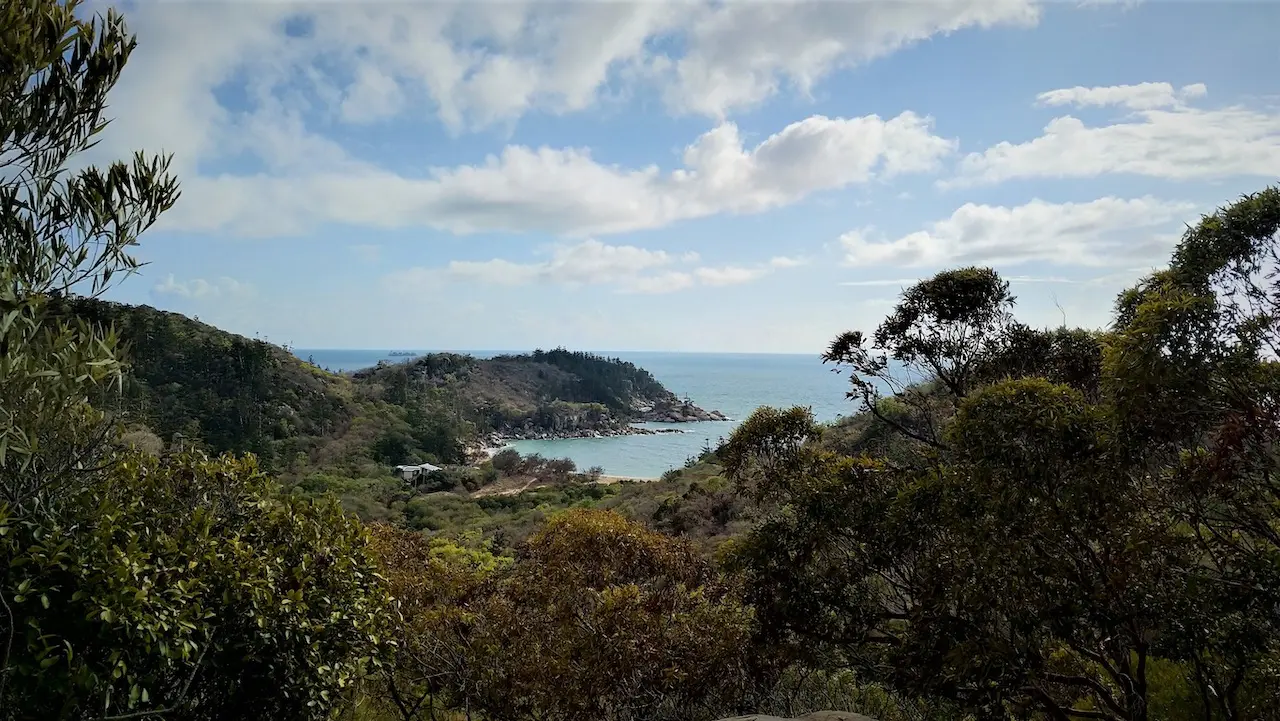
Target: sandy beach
{"x": 625, "y": 479}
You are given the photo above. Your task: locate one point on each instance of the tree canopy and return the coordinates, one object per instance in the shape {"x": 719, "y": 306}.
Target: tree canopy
{"x": 1072, "y": 524}
{"x": 133, "y": 586}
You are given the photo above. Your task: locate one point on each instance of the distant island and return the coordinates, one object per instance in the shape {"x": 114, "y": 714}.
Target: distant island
{"x": 397, "y": 353}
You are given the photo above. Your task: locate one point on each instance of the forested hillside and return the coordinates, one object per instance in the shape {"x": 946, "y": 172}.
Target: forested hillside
{"x": 189, "y": 380}
{"x": 193, "y": 384}
{"x": 556, "y": 391}
{"x": 613, "y": 382}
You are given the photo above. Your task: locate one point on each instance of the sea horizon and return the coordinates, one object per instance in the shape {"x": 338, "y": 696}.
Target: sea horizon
{"x": 501, "y": 351}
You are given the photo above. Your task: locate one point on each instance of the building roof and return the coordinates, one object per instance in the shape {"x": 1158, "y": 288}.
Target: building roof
{"x": 420, "y": 467}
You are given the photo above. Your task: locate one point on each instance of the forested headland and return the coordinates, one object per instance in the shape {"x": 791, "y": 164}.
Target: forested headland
{"x": 202, "y": 387}
{"x": 1058, "y": 524}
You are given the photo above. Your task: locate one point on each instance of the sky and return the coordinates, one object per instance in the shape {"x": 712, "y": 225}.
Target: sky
{"x": 730, "y": 176}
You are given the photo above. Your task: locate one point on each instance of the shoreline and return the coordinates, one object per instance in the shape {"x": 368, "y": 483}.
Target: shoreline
{"x": 607, "y": 480}
{"x": 496, "y": 442}
{"x": 493, "y": 443}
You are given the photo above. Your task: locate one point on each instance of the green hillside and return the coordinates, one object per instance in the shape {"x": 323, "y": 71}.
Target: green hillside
{"x": 192, "y": 384}
{"x": 618, "y": 384}
{"x": 190, "y": 381}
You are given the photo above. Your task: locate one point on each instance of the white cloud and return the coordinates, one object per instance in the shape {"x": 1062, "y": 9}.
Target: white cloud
{"x": 626, "y": 268}
{"x": 1177, "y": 142}
{"x": 1143, "y": 96}
{"x": 741, "y": 53}
{"x": 730, "y": 274}
{"x": 1096, "y": 233}
{"x": 876, "y": 282}
{"x": 479, "y": 63}
{"x": 295, "y": 70}
{"x": 374, "y": 95}
{"x": 588, "y": 262}
{"x": 565, "y": 191}
{"x": 201, "y": 289}
{"x": 668, "y": 282}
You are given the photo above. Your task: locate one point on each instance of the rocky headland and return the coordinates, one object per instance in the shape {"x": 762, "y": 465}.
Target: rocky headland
{"x": 676, "y": 412}
{"x": 607, "y": 427}
{"x": 502, "y": 438}
{"x": 598, "y": 425}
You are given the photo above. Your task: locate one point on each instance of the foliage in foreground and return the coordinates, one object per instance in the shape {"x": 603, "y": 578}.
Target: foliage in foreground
{"x": 133, "y": 586}
{"x": 175, "y": 584}
{"x": 597, "y": 618}
{"x": 1063, "y": 524}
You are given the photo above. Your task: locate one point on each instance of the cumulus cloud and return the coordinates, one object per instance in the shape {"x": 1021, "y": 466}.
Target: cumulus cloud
{"x": 1096, "y": 233}
{"x": 668, "y": 282}
{"x": 1143, "y": 96}
{"x": 877, "y": 282}
{"x": 626, "y": 268}
{"x": 201, "y": 289}
{"x": 731, "y": 274}
{"x": 479, "y": 63}
{"x": 217, "y": 83}
{"x": 565, "y": 191}
{"x": 588, "y": 262}
{"x": 1165, "y": 139}
{"x": 741, "y": 53}
{"x": 374, "y": 95}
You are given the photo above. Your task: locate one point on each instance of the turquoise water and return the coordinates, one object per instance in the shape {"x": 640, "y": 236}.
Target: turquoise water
{"x": 733, "y": 383}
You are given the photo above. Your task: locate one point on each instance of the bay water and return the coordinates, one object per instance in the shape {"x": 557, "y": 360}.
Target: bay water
{"x": 732, "y": 383}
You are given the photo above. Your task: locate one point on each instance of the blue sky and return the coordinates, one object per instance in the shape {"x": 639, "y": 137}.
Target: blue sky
{"x": 732, "y": 176}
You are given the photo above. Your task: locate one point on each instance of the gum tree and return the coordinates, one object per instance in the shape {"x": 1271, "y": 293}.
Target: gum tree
{"x": 133, "y": 586}
{"x": 64, "y": 228}
{"x": 1082, "y": 526}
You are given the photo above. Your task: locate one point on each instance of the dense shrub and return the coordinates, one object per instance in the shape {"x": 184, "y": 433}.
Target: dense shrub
{"x": 176, "y": 584}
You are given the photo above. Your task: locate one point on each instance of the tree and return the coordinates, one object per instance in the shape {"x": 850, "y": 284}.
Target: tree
{"x": 1194, "y": 371}
{"x": 133, "y": 586}
{"x": 631, "y": 625}
{"x": 176, "y": 589}
{"x": 1080, "y": 525}
{"x": 597, "y": 618}
{"x": 62, "y": 230}
{"x": 436, "y": 584}
{"x": 931, "y": 347}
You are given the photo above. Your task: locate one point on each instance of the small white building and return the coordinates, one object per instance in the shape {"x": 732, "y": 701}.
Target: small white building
{"x": 413, "y": 473}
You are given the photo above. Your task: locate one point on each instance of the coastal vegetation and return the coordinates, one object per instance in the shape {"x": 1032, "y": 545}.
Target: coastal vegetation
{"x": 195, "y": 386}
{"x": 1056, "y": 525}
{"x": 1064, "y": 524}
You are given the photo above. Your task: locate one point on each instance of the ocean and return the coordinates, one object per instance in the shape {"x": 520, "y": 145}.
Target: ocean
{"x": 733, "y": 383}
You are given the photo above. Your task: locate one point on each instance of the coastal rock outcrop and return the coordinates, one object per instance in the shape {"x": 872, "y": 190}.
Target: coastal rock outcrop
{"x": 677, "y": 412}
{"x": 498, "y": 440}
{"x": 560, "y": 420}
